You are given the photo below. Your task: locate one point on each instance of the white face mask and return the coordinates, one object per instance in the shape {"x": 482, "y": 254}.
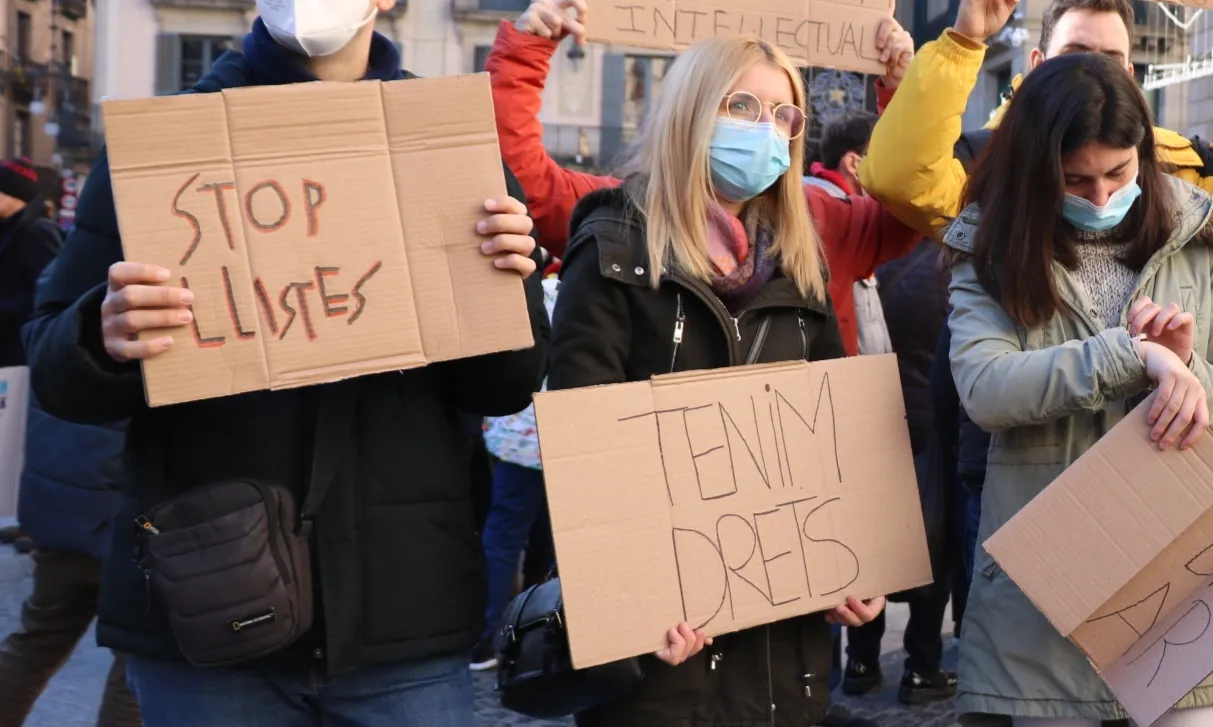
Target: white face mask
{"x": 315, "y": 27}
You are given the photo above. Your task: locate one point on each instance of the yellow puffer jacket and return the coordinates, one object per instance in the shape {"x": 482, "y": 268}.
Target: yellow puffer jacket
{"x": 910, "y": 167}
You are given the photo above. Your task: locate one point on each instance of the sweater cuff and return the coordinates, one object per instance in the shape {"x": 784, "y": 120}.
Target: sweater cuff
{"x": 961, "y": 47}
{"x": 1124, "y": 366}
{"x": 509, "y": 33}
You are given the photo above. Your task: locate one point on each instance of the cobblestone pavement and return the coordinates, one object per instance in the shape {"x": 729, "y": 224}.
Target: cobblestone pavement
{"x": 74, "y": 694}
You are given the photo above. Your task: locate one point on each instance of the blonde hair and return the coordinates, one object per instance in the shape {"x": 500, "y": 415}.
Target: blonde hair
{"x": 670, "y": 180}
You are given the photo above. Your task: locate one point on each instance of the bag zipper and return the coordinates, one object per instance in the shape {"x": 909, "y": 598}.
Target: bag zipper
{"x": 271, "y": 509}
{"x": 145, "y": 530}
{"x": 148, "y": 529}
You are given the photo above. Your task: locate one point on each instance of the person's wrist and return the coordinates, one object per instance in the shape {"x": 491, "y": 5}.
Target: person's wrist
{"x": 1138, "y": 343}
{"x": 977, "y": 35}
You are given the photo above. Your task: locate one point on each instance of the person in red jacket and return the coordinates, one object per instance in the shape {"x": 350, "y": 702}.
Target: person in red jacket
{"x": 857, "y": 233}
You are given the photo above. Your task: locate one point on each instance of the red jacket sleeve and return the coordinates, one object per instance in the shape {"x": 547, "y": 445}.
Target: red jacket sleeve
{"x": 858, "y": 234}
{"x": 883, "y": 96}
{"x": 518, "y": 66}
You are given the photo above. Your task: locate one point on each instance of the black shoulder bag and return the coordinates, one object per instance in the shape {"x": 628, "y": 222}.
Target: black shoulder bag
{"x": 232, "y": 560}
{"x": 535, "y": 674}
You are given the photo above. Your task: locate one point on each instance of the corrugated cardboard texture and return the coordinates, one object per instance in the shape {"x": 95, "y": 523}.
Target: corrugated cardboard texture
{"x": 833, "y": 33}
{"x": 1168, "y": 660}
{"x": 327, "y": 230}
{"x": 1114, "y": 551}
{"x": 427, "y": 169}
{"x": 728, "y": 499}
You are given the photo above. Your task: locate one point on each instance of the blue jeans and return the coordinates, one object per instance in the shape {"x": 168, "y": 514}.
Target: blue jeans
{"x": 518, "y": 504}
{"x": 412, "y": 694}
{"x": 836, "y": 662}
{"x": 972, "y": 524}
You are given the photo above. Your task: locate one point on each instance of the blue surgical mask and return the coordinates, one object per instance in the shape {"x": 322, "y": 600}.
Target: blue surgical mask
{"x": 1080, "y": 212}
{"x": 746, "y": 159}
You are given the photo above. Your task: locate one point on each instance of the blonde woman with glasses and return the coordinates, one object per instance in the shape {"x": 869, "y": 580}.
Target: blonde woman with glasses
{"x": 857, "y": 235}
{"x": 706, "y": 257}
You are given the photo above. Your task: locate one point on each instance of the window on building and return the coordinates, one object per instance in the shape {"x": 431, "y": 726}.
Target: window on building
{"x": 507, "y": 5}
{"x": 643, "y": 76}
{"x": 25, "y": 30}
{"x": 21, "y": 135}
{"x": 1154, "y": 98}
{"x": 1141, "y": 12}
{"x": 832, "y": 93}
{"x": 197, "y": 53}
{"x": 1002, "y": 85}
{"x": 482, "y": 57}
{"x": 936, "y": 8}
{"x": 68, "y": 42}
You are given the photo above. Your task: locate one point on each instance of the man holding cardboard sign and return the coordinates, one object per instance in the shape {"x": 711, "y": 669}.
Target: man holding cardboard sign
{"x": 373, "y": 468}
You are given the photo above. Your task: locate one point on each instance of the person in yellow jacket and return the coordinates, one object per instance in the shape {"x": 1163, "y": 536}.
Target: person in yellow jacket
{"x": 915, "y": 165}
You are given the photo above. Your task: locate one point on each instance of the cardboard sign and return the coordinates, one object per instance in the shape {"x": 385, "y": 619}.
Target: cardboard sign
{"x": 327, "y": 230}
{"x": 14, "y": 408}
{"x": 729, "y": 499}
{"x": 1193, "y": 3}
{"x": 1118, "y": 554}
{"x": 834, "y": 33}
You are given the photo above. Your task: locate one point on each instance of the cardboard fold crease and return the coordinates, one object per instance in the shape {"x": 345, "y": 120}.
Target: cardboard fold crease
{"x": 1106, "y": 553}
{"x": 326, "y": 230}
{"x": 661, "y": 492}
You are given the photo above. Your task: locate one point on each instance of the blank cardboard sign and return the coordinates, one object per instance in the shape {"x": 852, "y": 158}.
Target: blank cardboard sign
{"x": 327, "y": 230}
{"x": 728, "y": 498}
{"x": 833, "y": 33}
{"x": 1118, "y": 554}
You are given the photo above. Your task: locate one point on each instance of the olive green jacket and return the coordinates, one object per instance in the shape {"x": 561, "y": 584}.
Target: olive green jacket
{"x": 1046, "y": 394}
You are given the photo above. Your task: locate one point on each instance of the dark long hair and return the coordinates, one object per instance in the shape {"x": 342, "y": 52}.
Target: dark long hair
{"x": 1066, "y": 103}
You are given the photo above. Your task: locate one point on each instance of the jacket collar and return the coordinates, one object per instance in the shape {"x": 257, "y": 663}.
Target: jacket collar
{"x": 272, "y": 65}
{"x": 611, "y": 219}
{"x": 1193, "y": 207}
{"x": 827, "y": 178}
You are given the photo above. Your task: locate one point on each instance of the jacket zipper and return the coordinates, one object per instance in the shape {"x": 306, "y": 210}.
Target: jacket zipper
{"x": 679, "y": 322}
{"x": 804, "y": 337}
{"x": 722, "y": 314}
{"x": 731, "y": 325}
{"x": 766, "y": 631}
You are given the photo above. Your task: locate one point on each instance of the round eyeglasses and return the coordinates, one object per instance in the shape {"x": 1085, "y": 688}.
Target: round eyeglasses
{"x": 745, "y": 107}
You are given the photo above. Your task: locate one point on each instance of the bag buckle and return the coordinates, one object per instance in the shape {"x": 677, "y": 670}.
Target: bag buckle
{"x": 509, "y": 634}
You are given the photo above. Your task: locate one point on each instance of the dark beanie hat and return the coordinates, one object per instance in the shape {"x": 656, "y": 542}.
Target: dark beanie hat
{"x": 19, "y": 179}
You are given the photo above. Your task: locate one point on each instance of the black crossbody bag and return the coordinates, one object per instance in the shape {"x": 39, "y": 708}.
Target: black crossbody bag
{"x": 535, "y": 674}
{"x": 232, "y": 560}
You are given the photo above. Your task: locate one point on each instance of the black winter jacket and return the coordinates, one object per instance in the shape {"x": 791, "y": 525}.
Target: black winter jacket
{"x": 611, "y": 327}
{"x": 28, "y": 242}
{"x": 398, "y": 560}
{"x": 914, "y": 295}
{"x": 973, "y": 444}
